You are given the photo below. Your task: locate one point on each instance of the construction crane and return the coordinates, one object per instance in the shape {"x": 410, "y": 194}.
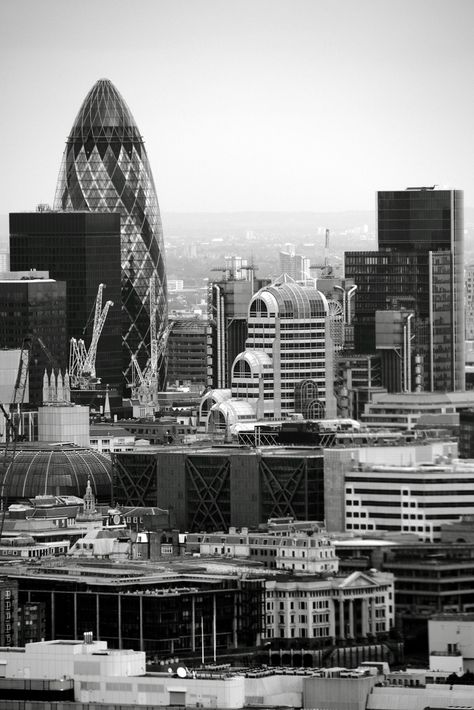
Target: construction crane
{"x": 19, "y": 389}
{"x": 82, "y": 371}
{"x": 12, "y": 425}
{"x": 145, "y": 382}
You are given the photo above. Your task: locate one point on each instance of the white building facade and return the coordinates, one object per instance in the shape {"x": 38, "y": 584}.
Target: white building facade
{"x": 408, "y": 498}
{"x": 288, "y": 343}
{"x": 342, "y": 608}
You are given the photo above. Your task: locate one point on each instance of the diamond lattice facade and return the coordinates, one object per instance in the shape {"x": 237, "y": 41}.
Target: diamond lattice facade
{"x": 105, "y": 168}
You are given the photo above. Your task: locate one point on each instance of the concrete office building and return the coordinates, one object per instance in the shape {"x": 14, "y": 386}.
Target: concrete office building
{"x": 339, "y": 463}
{"x": 417, "y": 498}
{"x": 228, "y": 302}
{"x": 287, "y": 364}
{"x": 403, "y": 410}
{"x": 189, "y": 354}
{"x": 295, "y": 265}
{"x": 469, "y": 302}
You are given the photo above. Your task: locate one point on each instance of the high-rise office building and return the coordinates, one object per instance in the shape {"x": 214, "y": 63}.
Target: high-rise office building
{"x": 469, "y": 304}
{"x": 228, "y": 302}
{"x": 293, "y": 264}
{"x": 32, "y": 304}
{"x": 105, "y": 169}
{"x": 188, "y": 352}
{"x": 288, "y": 362}
{"x": 417, "y": 276}
{"x": 82, "y": 249}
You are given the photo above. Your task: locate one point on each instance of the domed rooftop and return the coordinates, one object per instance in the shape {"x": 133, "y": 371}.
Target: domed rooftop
{"x": 290, "y": 300}
{"x": 40, "y": 468}
{"x": 104, "y": 115}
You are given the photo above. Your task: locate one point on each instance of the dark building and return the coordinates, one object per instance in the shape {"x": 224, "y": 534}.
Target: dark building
{"x": 166, "y": 430}
{"x": 33, "y": 306}
{"x": 466, "y": 434}
{"x": 8, "y": 611}
{"x": 215, "y": 488}
{"x": 417, "y": 275}
{"x": 145, "y": 610}
{"x": 188, "y": 356}
{"x": 82, "y": 249}
{"x": 105, "y": 168}
{"x": 31, "y": 622}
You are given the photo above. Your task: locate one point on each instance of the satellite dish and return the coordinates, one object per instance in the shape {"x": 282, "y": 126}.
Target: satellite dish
{"x": 182, "y": 673}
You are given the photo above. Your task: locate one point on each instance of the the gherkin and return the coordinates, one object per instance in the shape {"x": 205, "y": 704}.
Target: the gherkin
{"x": 105, "y": 169}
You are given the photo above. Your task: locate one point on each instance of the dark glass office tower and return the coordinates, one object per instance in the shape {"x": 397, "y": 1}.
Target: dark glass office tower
{"x": 105, "y": 169}
{"x": 417, "y": 269}
{"x": 34, "y": 305}
{"x": 82, "y": 249}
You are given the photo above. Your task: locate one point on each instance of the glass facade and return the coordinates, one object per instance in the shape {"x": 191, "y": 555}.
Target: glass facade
{"x": 46, "y": 469}
{"x": 160, "y": 617}
{"x": 35, "y": 307}
{"x": 105, "y": 169}
{"x": 418, "y": 268}
{"x": 83, "y": 250}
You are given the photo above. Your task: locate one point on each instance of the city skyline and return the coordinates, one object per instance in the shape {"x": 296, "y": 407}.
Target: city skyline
{"x": 266, "y": 106}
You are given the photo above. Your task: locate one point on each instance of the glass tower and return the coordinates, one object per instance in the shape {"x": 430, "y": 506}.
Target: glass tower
{"x": 105, "y": 169}
{"x": 418, "y": 269}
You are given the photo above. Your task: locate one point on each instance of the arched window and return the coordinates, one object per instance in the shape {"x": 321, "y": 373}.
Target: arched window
{"x": 258, "y": 308}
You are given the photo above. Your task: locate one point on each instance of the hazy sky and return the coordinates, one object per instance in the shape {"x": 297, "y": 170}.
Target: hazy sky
{"x": 247, "y": 104}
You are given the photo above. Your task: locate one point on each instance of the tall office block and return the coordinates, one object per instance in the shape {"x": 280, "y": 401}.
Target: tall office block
{"x": 34, "y": 305}
{"x": 82, "y": 249}
{"x": 469, "y": 301}
{"x": 188, "y": 352}
{"x": 228, "y": 302}
{"x": 294, "y": 265}
{"x": 105, "y": 169}
{"x": 287, "y": 364}
{"x": 417, "y": 272}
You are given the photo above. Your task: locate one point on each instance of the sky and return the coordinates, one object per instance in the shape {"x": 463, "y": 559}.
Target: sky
{"x": 247, "y": 105}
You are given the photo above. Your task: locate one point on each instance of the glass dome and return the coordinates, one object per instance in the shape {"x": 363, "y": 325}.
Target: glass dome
{"x": 57, "y": 469}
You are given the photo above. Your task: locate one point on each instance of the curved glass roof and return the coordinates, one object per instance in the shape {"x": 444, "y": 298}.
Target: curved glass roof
{"x": 294, "y": 300}
{"x": 47, "y": 469}
{"x": 235, "y": 410}
{"x": 104, "y": 115}
{"x": 257, "y": 360}
{"x": 217, "y": 395}
{"x": 105, "y": 168}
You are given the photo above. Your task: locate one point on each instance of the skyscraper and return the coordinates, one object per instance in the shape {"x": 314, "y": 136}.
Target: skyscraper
{"x": 287, "y": 364}
{"x": 82, "y": 249}
{"x": 105, "y": 169}
{"x": 228, "y": 302}
{"x": 416, "y": 274}
{"x": 33, "y": 306}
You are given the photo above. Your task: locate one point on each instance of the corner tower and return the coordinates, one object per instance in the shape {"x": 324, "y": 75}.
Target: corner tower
{"x": 105, "y": 168}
